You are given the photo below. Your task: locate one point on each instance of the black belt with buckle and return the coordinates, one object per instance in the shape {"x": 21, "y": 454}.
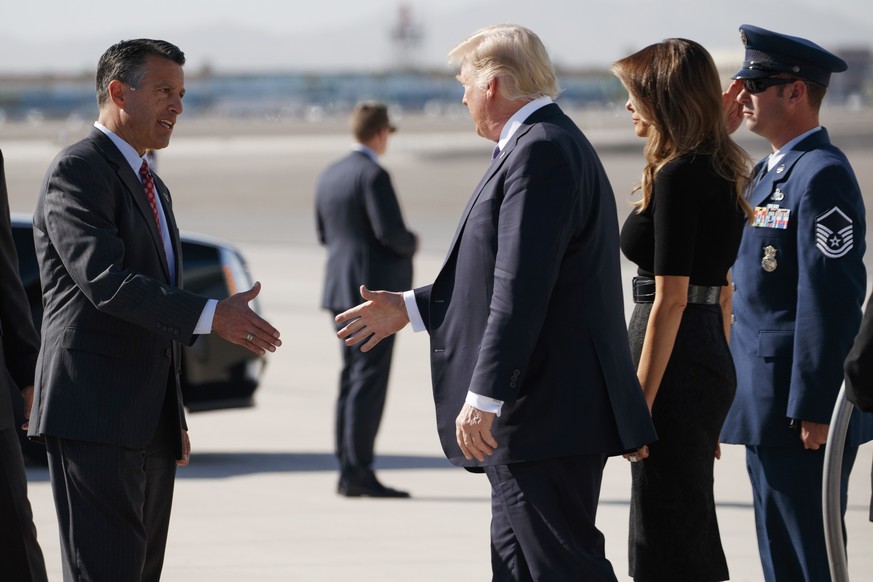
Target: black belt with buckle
{"x": 644, "y": 292}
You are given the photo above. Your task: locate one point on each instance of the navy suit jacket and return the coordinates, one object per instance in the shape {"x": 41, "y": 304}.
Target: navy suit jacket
{"x": 112, "y": 321}
{"x": 528, "y": 306}
{"x": 795, "y": 323}
{"x": 359, "y": 220}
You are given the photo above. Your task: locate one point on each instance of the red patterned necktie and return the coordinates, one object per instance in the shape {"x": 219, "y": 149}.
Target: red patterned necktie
{"x": 149, "y": 184}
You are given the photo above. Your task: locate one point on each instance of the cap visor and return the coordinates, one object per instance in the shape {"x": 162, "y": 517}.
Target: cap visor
{"x": 752, "y": 74}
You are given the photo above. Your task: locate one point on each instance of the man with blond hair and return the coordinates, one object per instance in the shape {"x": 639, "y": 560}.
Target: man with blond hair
{"x": 532, "y": 375}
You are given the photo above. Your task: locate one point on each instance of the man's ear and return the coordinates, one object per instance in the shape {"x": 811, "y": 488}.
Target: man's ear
{"x": 798, "y": 91}
{"x": 117, "y": 91}
{"x": 491, "y": 88}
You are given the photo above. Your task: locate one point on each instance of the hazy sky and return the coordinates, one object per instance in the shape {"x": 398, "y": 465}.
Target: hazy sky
{"x": 258, "y": 35}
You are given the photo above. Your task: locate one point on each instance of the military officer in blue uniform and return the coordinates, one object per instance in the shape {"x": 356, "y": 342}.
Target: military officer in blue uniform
{"x": 799, "y": 284}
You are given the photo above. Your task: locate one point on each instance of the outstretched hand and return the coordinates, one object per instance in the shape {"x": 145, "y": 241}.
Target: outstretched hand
{"x": 236, "y": 322}
{"x": 381, "y": 315}
{"x": 733, "y": 109}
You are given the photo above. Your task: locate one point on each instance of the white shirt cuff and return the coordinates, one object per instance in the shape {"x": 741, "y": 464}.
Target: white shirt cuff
{"x": 484, "y": 403}
{"x": 412, "y": 311}
{"x": 204, "y": 324}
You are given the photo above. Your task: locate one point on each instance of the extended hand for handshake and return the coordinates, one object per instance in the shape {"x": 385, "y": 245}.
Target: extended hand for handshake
{"x": 236, "y": 322}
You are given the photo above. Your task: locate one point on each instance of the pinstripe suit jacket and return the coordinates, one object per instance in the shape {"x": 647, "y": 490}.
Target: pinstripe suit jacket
{"x": 18, "y": 339}
{"x": 112, "y": 320}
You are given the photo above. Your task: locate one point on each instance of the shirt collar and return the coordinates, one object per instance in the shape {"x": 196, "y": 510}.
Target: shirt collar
{"x": 519, "y": 117}
{"x": 366, "y": 151}
{"x": 777, "y": 156}
{"x": 133, "y": 158}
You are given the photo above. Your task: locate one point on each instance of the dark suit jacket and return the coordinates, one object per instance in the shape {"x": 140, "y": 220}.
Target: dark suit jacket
{"x": 796, "y": 322}
{"x": 359, "y": 220}
{"x": 111, "y": 318}
{"x": 528, "y": 306}
{"x": 18, "y": 338}
{"x": 859, "y": 365}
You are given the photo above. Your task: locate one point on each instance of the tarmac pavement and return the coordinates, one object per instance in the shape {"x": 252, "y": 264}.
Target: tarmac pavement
{"x": 258, "y": 501}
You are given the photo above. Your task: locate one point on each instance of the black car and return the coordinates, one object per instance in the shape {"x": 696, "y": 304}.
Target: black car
{"x": 216, "y": 374}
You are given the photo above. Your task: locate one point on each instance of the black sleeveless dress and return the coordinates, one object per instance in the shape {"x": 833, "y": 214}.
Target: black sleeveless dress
{"x": 692, "y": 227}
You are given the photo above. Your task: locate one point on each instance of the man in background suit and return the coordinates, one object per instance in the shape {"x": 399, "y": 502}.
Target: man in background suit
{"x": 107, "y": 402}
{"x": 360, "y": 221}
{"x": 799, "y": 285}
{"x": 532, "y": 374}
{"x": 20, "y": 555}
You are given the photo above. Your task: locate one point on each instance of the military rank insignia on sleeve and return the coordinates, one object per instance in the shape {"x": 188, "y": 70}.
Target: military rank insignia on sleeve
{"x": 834, "y": 233}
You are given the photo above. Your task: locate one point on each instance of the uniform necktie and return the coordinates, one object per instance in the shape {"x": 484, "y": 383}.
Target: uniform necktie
{"x": 495, "y": 152}
{"x": 148, "y": 184}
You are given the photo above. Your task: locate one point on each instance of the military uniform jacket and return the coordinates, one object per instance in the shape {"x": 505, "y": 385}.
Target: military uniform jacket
{"x": 799, "y": 286}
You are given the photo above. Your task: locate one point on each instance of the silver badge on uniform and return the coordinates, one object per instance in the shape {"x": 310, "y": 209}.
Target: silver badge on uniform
{"x": 768, "y": 263}
{"x": 780, "y": 169}
{"x": 834, "y": 235}
{"x": 778, "y": 195}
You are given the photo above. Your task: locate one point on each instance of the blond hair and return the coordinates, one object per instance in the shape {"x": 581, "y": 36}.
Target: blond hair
{"x": 513, "y": 53}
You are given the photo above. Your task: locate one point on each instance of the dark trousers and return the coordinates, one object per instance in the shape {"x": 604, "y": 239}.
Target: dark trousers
{"x": 20, "y": 555}
{"x": 113, "y": 505}
{"x": 543, "y": 521}
{"x": 787, "y": 491}
{"x": 363, "y": 387}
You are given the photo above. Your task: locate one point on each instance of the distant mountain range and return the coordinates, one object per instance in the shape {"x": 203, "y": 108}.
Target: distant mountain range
{"x": 579, "y": 34}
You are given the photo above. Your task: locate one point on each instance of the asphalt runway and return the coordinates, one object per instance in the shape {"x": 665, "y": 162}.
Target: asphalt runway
{"x": 258, "y": 501}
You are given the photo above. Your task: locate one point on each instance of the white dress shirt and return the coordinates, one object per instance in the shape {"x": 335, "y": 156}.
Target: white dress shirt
{"x": 777, "y": 155}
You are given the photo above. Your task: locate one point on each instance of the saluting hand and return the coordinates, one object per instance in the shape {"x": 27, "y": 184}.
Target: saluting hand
{"x": 733, "y": 109}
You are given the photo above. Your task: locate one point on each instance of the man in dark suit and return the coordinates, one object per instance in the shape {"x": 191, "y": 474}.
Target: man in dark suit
{"x": 359, "y": 220}
{"x": 859, "y": 365}
{"x": 107, "y": 402}
{"x": 20, "y": 555}
{"x": 859, "y": 369}
{"x": 799, "y": 285}
{"x": 532, "y": 375}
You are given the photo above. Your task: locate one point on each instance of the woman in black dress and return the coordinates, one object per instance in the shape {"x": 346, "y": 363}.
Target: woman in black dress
{"x": 683, "y": 236}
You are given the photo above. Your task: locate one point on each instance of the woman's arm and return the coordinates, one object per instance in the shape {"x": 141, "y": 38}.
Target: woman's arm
{"x": 726, "y": 300}
{"x": 671, "y": 297}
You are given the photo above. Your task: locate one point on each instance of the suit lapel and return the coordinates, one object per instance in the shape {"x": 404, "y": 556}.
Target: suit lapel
{"x": 173, "y": 228}
{"x": 497, "y": 163}
{"x": 768, "y": 183}
{"x": 134, "y": 187}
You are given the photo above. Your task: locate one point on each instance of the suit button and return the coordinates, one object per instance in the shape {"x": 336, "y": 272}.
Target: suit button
{"x": 168, "y": 353}
{"x": 513, "y": 385}
{"x": 175, "y": 331}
